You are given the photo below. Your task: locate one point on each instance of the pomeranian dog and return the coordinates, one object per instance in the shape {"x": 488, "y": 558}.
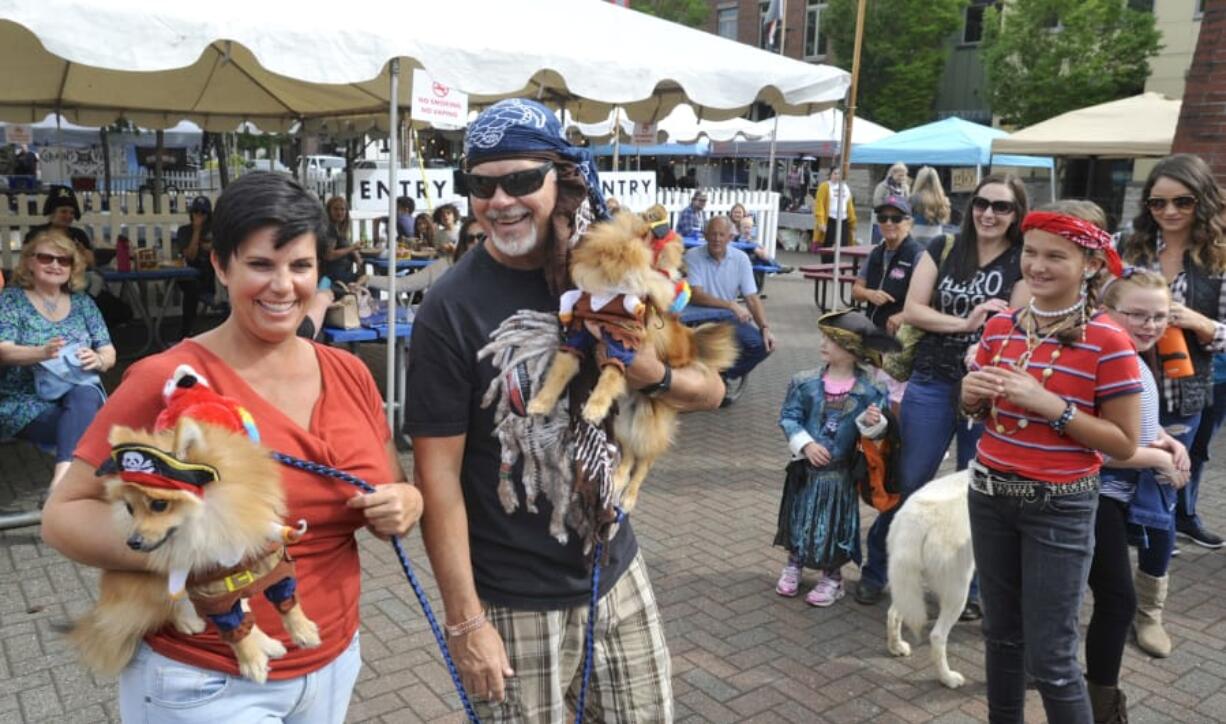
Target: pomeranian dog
{"x": 205, "y": 504}
{"x": 930, "y": 543}
{"x": 619, "y": 256}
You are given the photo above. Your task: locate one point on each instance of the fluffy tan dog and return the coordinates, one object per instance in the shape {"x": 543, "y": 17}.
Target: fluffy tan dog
{"x": 205, "y": 504}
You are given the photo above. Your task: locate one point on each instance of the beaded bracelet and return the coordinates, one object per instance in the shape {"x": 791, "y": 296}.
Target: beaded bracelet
{"x": 465, "y": 627}
{"x": 1070, "y": 411}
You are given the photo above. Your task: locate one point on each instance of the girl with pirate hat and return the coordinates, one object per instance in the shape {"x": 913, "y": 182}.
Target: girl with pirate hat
{"x": 825, "y": 412}
{"x": 1058, "y": 386}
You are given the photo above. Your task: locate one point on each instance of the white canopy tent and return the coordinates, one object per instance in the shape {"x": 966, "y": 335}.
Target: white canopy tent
{"x": 1142, "y": 125}
{"x": 818, "y": 134}
{"x": 229, "y": 61}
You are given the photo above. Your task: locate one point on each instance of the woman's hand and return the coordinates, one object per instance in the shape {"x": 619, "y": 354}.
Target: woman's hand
{"x": 817, "y": 455}
{"x": 893, "y": 323}
{"x": 481, "y": 658}
{"x": 980, "y": 314}
{"x": 52, "y": 348}
{"x": 878, "y": 297}
{"x": 90, "y": 359}
{"x": 1172, "y": 474}
{"x": 978, "y": 387}
{"x": 392, "y": 510}
{"x": 1192, "y": 320}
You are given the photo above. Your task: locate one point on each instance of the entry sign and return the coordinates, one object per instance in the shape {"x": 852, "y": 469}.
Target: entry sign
{"x": 436, "y": 103}
{"x": 370, "y": 190}
{"x": 644, "y": 134}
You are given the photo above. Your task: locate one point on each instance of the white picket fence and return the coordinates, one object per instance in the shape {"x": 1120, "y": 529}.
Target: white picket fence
{"x": 132, "y": 214}
{"x": 763, "y": 205}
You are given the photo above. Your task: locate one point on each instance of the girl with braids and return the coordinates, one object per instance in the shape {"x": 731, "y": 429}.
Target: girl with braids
{"x": 1180, "y": 234}
{"x": 1057, "y": 384}
{"x": 1140, "y": 303}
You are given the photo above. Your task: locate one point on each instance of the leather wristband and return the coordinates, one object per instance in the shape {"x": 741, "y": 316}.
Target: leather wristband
{"x": 465, "y": 627}
{"x": 664, "y": 385}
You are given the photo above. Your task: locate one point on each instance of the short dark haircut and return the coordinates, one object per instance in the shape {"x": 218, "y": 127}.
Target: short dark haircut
{"x": 407, "y": 203}
{"x": 262, "y": 199}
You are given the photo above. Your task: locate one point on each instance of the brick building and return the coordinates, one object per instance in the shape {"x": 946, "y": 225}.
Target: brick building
{"x": 1202, "y": 120}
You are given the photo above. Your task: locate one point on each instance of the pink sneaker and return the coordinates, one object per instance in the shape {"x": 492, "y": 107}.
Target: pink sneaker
{"x": 789, "y": 581}
{"x": 828, "y": 590}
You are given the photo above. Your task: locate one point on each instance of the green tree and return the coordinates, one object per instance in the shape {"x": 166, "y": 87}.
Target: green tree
{"x": 1046, "y": 57}
{"x": 903, "y": 56}
{"x": 687, "y": 12}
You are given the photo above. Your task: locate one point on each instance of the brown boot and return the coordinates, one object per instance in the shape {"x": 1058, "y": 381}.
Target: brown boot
{"x": 1151, "y": 598}
{"x": 1109, "y": 704}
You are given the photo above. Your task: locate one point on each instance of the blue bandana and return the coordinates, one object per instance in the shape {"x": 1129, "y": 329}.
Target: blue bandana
{"x": 520, "y": 127}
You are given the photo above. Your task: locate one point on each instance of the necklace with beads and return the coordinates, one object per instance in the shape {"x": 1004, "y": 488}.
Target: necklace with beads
{"x": 1022, "y": 363}
{"x": 51, "y": 305}
{"x": 1057, "y": 313}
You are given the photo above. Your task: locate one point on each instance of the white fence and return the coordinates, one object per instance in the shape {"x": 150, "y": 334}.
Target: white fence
{"x": 763, "y": 205}
{"x": 132, "y": 214}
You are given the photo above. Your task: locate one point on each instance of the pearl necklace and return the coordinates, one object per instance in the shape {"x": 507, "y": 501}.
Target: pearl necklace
{"x": 1022, "y": 364}
{"x": 1042, "y": 314}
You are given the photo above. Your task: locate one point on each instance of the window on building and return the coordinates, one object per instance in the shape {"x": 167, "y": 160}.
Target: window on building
{"x": 815, "y": 39}
{"x": 1200, "y": 8}
{"x": 972, "y": 27}
{"x": 725, "y": 19}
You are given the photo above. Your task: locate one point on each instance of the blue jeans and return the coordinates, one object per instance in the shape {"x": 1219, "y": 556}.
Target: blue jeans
{"x": 154, "y": 688}
{"x": 1211, "y": 419}
{"x": 1185, "y": 509}
{"x": 62, "y": 426}
{"x": 928, "y": 421}
{"x": 1033, "y": 559}
{"x": 753, "y": 350}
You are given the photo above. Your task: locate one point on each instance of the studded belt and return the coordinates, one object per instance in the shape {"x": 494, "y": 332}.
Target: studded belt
{"x": 996, "y": 484}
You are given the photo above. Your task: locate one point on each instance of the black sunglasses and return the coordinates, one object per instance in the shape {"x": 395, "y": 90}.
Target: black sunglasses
{"x": 981, "y": 204}
{"x": 46, "y": 259}
{"x": 891, "y": 218}
{"x": 519, "y": 183}
{"x": 1183, "y": 203}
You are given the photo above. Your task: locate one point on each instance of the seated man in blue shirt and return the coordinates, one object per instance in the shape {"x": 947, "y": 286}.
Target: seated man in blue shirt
{"x": 718, "y": 274}
{"x": 692, "y": 219}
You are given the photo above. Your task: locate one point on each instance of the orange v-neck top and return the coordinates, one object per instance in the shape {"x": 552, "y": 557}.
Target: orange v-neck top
{"x": 348, "y": 431}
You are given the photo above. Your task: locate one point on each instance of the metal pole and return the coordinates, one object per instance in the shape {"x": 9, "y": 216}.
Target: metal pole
{"x": 845, "y": 149}
{"x": 617, "y": 136}
{"x": 20, "y": 520}
{"x": 393, "y": 165}
{"x": 783, "y": 29}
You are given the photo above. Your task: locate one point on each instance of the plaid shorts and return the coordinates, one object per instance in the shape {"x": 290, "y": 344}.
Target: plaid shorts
{"x": 630, "y": 672}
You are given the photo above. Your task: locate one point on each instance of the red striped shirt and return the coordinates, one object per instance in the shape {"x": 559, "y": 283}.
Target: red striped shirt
{"x": 1101, "y": 366}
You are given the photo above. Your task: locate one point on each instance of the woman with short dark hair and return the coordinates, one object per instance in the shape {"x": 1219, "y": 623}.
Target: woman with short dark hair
{"x": 306, "y": 400}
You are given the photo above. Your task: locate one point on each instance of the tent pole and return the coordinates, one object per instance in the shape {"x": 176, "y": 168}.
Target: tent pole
{"x": 617, "y": 136}
{"x": 770, "y": 164}
{"x": 845, "y": 148}
{"x": 978, "y": 173}
{"x": 393, "y": 169}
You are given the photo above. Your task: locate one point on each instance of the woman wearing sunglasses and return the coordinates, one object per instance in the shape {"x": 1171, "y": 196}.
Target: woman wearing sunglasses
{"x": 954, "y": 290}
{"x": 44, "y": 316}
{"x": 1180, "y": 234}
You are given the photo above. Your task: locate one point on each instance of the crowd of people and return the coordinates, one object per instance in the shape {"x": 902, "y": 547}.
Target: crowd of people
{"x": 1027, "y": 336}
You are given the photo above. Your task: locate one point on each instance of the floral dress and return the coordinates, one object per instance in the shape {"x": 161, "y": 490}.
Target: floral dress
{"x": 22, "y": 324}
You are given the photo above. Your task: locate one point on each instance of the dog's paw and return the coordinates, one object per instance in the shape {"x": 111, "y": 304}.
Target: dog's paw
{"x": 899, "y": 648}
{"x": 539, "y": 406}
{"x": 189, "y": 623}
{"x": 305, "y": 634}
{"x": 254, "y": 668}
{"x": 953, "y": 680}
{"x": 595, "y": 412}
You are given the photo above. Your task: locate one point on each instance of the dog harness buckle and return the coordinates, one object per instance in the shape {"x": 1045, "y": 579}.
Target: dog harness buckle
{"x": 239, "y": 580}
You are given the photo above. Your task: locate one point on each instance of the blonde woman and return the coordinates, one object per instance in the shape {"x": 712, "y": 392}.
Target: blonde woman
{"x": 44, "y": 316}
{"x": 930, "y": 208}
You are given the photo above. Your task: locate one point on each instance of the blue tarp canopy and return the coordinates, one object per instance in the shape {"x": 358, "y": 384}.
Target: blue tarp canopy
{"x": 951, "y": 142}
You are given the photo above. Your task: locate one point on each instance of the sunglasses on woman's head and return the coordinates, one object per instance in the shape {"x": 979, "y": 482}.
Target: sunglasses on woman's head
{"x": 981, "y": 204}
{"x": 46, "y": 259}
{"x": 519, "y": 183}
{"x": 1158, "y": 203}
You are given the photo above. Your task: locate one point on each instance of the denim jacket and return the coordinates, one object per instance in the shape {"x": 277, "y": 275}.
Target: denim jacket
{"x": 803, "y": 416}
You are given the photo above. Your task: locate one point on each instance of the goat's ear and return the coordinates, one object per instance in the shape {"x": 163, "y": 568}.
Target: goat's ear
{"x": 188, "y": 438}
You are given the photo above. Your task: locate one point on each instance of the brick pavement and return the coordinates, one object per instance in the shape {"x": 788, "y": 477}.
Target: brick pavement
{"x": 705, "y": 521}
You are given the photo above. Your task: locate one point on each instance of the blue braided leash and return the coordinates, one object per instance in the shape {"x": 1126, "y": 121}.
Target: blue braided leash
{"x": 362, "y": 485}
{"x": 589, "y": 648}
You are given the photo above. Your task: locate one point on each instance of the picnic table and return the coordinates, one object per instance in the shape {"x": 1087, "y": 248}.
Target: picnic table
{"x": 136, "y": 284}
{"x": 823, "y": 274}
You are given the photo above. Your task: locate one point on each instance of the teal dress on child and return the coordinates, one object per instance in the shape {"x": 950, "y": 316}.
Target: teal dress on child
{"x": 819, "y": 515}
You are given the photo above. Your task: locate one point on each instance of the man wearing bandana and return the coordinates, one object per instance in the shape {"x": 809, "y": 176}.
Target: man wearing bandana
{"x": 514, "y": 502}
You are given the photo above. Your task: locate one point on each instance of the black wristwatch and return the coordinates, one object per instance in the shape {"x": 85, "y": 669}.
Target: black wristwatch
{"x": 664, "y": 385}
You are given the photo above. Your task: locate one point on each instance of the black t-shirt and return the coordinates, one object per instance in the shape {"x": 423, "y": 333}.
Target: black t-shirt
{"x": 942, "y": 354}
{"x": 516, "y": 562}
